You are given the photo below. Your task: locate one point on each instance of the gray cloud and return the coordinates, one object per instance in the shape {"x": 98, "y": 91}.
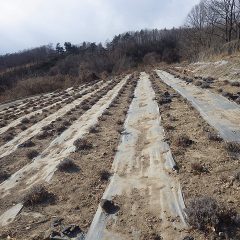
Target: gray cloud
{"x": 29, "y": 23}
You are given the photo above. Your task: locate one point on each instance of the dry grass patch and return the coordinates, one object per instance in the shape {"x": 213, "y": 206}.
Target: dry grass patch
{"x": 82, "y": 144}
{"x": 8, "y": 137}
{"x": 214, "y": 136}
{"x": 32, "y": 154}
{"x": 183, "y": 141}
{"x": 26, "y": 144}
{"x": 206, "y": 214}
{"x": 25, "y": 120}
{"x": 37, "y": 195}
{"x": 233, "y": 147}
{"x": 198, "y": 167}
{"x": 4, "y": 175}
{"x": 104, "y": 175}
{"x": 67, "y": 165}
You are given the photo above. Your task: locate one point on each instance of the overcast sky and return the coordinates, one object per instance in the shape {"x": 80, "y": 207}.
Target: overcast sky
{"x": 30, "y": 23}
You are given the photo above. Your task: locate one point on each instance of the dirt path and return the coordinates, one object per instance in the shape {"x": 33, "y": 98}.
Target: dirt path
{"x": 219, "y": 112}
{"x": 143, "y": 185}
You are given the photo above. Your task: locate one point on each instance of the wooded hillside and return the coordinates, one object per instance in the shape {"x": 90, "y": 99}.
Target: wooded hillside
{"x": 209, "y": 25}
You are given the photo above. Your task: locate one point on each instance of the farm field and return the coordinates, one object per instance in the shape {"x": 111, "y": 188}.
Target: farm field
{"x": 133, "y": 157}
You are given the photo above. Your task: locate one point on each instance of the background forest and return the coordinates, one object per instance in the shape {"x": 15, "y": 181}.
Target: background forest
{"x": 211, "y": 27}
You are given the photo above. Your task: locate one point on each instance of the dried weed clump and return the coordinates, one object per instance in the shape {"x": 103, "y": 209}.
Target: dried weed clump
{"x": 104, "y": 175}
{"x": 235, "y": 84}
{"x": 8, "y": 137}
{"x": 94, "y": 129}
{"x": 67, "y": 165}
{"x": 26, "y": 144}
{"x": 32, "y": 154}
{"x": 183, "y": 141}
{"x": 233, "y": 147}
{"x": 82, "y": 144}
{"x": 4, "y": 175}
{"x": 214, "y": 136}
{"x": 108, "y": 206}
{"x": 25, "y": 120}
{"x": 198, "y": 167}
{"x": 37, "y": 195}
{"x": 204, "y": 213}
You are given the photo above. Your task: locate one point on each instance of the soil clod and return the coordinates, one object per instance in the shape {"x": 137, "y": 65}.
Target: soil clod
{"x": 37, "y": 195}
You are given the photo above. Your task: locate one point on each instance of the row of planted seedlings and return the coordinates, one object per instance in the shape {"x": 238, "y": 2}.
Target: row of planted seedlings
{"x": 31, "y": 148}
{"x": 29, "y": 102}
{"x": 81, "y": 179}
{"x": 228, "y": 89}
{"x": 47, "y": 109}
{"x": 44, "y": 101}
{"x": 14, "y": 111}
{"x": 206, "y": 166}
{"x": 38, "y": 103}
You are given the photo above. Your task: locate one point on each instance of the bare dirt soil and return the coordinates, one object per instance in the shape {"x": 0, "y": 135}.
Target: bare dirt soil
{"x": 79, "y": 191}
{"x": 206, "y": 168}
{"x": 226, "y": 86}
{"x": 145, "y": 218}
{"x": 18, "y": 158}
{"x": 204, "y": 165}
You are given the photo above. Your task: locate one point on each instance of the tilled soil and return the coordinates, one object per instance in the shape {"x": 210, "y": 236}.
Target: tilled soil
{"x": 16, "y": 195}
{"x": 145, "y": 217}
{"x": 33, "y": 115}
{"x": 228, "y": 89}
{"x": 215, "y": 177}
{"x": 204, "y": 168}
{"x": 18, "y": 158}
{"x": 78, "y": 192}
